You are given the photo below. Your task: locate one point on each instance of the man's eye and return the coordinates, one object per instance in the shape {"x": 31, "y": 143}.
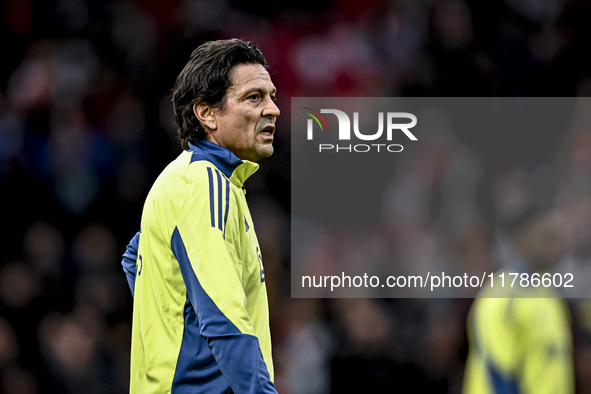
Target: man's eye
{"x": 254, "y": 96}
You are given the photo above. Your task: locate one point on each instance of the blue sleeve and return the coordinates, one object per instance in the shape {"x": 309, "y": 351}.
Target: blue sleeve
{"x": 129, "y": 261}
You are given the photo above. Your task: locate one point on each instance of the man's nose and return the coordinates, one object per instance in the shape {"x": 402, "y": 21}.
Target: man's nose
{"x": 271, "y": 109}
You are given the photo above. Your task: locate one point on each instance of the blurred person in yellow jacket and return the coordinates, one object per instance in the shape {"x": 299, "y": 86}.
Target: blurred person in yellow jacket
{"x": 520, "y": 336}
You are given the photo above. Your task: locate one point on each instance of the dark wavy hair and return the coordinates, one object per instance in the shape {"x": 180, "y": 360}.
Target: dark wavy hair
{"x": 206, "y": 78}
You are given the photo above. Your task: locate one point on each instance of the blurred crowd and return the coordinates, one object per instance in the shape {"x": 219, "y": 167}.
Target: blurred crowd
{"x": 86, "y": 125}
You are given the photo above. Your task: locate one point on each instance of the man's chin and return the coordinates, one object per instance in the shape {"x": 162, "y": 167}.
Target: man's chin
{"x": 266, "y": 151}
{"x": 259, "y": 154}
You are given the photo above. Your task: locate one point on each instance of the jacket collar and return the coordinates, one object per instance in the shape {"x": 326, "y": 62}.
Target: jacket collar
{"x": 235, "y": 169}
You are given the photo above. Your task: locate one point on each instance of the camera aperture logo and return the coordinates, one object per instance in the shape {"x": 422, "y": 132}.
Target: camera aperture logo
{"x": 393, "y": 126}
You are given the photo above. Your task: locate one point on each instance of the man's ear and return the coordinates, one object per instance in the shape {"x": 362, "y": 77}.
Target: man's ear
{"x": 205, "y": 115}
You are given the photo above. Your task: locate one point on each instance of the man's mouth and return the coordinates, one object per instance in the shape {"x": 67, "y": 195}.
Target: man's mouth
{"x": 268, "y": 130}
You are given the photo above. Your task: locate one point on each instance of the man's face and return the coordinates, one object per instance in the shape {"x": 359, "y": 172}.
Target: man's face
{"x": 543, "y": 241}
{"x": 246, "y": 123}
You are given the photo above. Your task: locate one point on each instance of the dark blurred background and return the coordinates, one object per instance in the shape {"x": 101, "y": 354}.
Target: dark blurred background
{"x": 86, "y": 125}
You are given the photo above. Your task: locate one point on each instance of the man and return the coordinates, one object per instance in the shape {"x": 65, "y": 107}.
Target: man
{"x": 200, "y": 318}
{"x": 522, "y": 343}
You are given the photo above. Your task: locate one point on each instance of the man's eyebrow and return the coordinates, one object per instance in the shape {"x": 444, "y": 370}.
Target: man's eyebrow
{"x": 260, "y": 90}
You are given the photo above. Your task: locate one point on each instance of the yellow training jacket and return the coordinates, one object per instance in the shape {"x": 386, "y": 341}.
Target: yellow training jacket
{"x": 519, "y": 345}
{"x": 200, "y": 313}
